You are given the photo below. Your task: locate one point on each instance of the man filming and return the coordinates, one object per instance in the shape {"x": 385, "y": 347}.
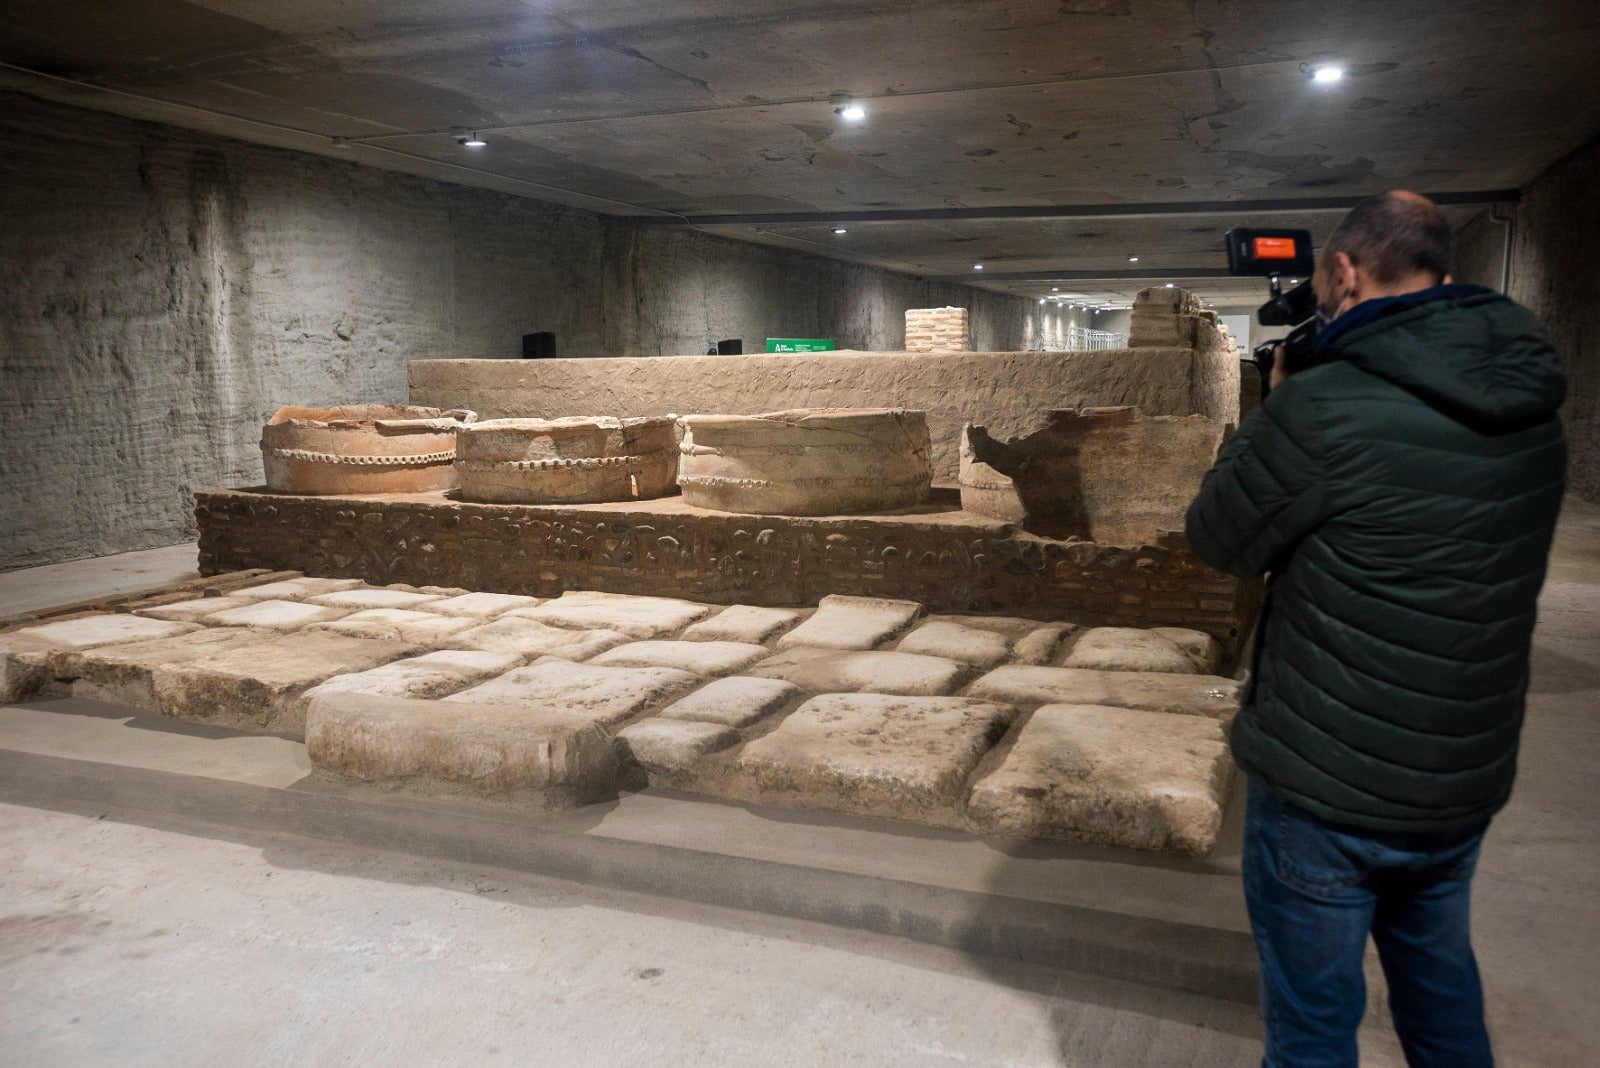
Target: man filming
{"x": 1401, "y": 492}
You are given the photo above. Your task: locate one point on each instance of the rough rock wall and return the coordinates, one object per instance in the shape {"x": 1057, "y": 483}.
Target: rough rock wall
{"x": 1555, "y": 271}
{"x": 162, "y": 292}
{"x": 1004, "y": 391}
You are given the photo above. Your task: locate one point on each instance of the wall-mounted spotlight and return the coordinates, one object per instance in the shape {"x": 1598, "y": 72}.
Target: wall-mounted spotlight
{"x": 840, "y": 230}
{"x": 1133, "y": 259}
{"x": 472, "y": 140}
{"x": 1326, "y": 75}
{"x": 850, "y": 112}
{"x": 977, "y": 266}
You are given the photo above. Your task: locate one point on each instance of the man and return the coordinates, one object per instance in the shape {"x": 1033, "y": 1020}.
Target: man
{"x": 1401, "y": 493}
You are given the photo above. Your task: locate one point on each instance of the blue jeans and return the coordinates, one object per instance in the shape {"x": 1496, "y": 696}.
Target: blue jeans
{"x": 1315, "y": 890}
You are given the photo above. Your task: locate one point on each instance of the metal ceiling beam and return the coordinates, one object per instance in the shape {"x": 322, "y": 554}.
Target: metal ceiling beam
{"x": 1070, "y": 211}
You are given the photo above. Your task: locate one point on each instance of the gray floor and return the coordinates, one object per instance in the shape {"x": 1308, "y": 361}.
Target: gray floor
{"x": 127, "y": 944}
{"x": 30, "y": 588}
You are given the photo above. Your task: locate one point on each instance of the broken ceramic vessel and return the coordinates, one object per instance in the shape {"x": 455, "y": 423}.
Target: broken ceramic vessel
{"x": 361, "y": 448}
{"x": 575, "y": 460}
{"x": 809, "y": 461}
{"x": 1109, "y": 475}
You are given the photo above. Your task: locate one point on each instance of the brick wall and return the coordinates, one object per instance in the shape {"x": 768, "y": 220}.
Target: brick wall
{"x": 949, "y": 561}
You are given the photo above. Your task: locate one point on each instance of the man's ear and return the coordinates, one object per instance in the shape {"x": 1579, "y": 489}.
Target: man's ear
{"x": 1344, "y": 272}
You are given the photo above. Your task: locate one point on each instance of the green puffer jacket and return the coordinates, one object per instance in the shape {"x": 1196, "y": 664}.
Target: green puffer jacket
{"x": 1403, "y": 496}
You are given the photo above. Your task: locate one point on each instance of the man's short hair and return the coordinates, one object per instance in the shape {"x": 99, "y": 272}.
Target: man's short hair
{"x": 1394, "y": 235}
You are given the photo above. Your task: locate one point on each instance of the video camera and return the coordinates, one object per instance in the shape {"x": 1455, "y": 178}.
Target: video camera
{"x": 1274, "y": 254}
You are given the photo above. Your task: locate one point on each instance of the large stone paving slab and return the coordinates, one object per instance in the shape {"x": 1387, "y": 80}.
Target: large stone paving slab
{"x": 608, "y": 696}
{"x": 668, "y": 749}
{"x": 637, "y": 617}
{"x": 355, "y": 600}
{"x": 743, "y": 623}
{"x": 401, "y": 625}
{"x": 256, "y": 686}
{"x": 431, "y": 675}
{"x": 738, "y": 701}
{"x": 1087, "y": 773}
{"x": 192, "y": 611}
{"x": 513, "y": 752}
{"x": 956, "y": 641}
{"x": 480, "y": 605}
{"x": 530, "y": 639}
{"x": 275, "y": 615}
{"x": 857, "y": 623}
{"x": 833, "y": 671}
{"x": 24, "y": 652}
{"x": 296, "y": 589}
{"x": 1132, "y": 649}
{"x": 123, "y": 673}
{"x": 701, "y": 658}
{"x": 1209, "y": 696}
{"x": 904, "y": 758}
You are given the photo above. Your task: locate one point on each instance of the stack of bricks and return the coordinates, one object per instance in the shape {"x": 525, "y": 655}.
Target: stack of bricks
{"x": 937, "y": 330}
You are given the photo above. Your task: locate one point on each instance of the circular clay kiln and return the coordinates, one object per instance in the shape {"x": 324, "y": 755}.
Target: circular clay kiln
{"x": 810, "y": 461}
{"x": 575, "y": 460}
{"x": 361, "y": 448}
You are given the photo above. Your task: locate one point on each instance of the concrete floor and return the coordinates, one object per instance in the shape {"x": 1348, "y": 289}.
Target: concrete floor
{"x": 129, "y": 944}
{"x": 30, "y": 588}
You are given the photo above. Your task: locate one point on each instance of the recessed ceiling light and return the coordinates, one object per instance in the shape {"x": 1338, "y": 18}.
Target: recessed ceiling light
{"x": 977, "y": 266}
{"x": 1055, "y": 289}
{"x": 1169, "y": 285}
{"x": 1041, "y": 300}
{"x": 1327, "y": 75}
{"x": 1133, "y": 259}
{"x": 840, "y": 230}
{"x": 851, "y": 112}
{"x": 472, "y": 140}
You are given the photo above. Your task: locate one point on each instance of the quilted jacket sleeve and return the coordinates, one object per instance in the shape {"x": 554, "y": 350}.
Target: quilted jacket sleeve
{"x": 1268, "y": 488}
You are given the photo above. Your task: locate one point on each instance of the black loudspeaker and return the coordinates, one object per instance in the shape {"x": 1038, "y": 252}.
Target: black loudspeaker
{"x": 733, "y": 346}
{"x": 540, "y": 346}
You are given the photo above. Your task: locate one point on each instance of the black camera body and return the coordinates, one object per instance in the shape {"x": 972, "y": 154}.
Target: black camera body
{"x": 1273, "y": 254}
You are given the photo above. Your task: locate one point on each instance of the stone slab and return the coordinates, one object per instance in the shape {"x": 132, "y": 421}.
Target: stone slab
{"x": 835, "y": 670}
{"x": 256, "y": 686}
{"x": 297, "y": 589}
{"x": 401, "y": 625}
{"x": 530, "y": 638}
{"x": 275, "y": 615}
{"x": 429, "y": 676}
{"x": 24, "y": 670}
{"x": 192, "y": 611}
{"x": 956, "y": 641}
{"x": 353, "y": 600}
{"x": 861, "y": 623}
{"x": 904, "y": 758}
{"x": 699, "y": 658}
{"x": 1201, "y": 648}
{"x": 638, "y": 617}
{"x": 517, "y": 753}
{"x": 742, "y": 623}
{"x": 736, "y": 701}
{"x": 479, "y": 605}
{"x": 1206, "y": 696}
{"x": 608, "y": 696}
{"x": 123, "y": 673}
{"x": 1041, "y": 645}
{"x": 667, "y": 749}
{"x": 1087, "y": 773}
{"x": 1129, "y": 649}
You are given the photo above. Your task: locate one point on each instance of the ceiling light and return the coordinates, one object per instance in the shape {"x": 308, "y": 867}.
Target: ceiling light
{"x": 1041, "y": 300}
{"x": 1327, "y": 75}
{"x": 977, "y": 266}
{"x": 840, "y": 230}
{"x": 1133, "y": 259}
{"x": 1169, "y": 285}
{"x": 472, "y": 140}
{"x": 850, "y": 112}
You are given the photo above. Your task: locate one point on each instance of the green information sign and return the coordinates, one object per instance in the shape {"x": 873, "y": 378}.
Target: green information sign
{"x": 799, "y": 344}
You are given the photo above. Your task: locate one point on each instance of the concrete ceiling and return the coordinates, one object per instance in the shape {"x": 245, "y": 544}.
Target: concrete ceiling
{"x": 677, "y": 110}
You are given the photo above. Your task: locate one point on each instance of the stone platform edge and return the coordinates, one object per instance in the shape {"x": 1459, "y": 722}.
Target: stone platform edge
{"x": 1209, "y": 961}
{"x": 948, "y": 561}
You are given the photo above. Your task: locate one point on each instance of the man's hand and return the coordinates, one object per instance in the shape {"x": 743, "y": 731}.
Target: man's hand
{"x": 1280, "y": 369}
